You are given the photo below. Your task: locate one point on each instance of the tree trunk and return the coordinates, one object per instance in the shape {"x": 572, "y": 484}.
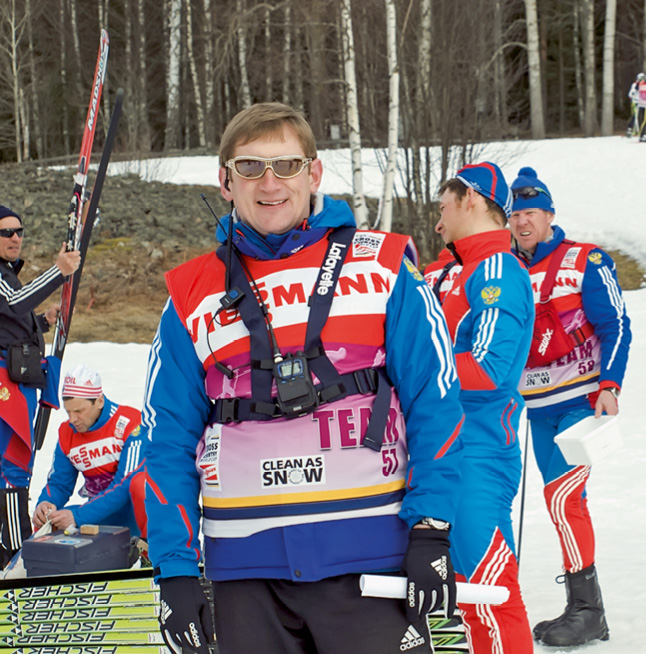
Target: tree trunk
{"x": 352, "y": 114}
{"x": 143, "y": 126}
{"x": 287, "y": 48}
{"x": 578, "y": 70}
{"x": 269, "y": 83}
{"x": 500, "y": 82}
{"x": 173, "y": 113}
{"x": 534, "y": 64}
{"x": 35, "y": 85}
{"x": 63, "y": 73}
{"x": 590, "y": 121}
{"x": 386, "y": 219}
{"x": 245, "y": 89}
{"x": 195, "y": 78}
{"x": 608, "y": 104}
{"x": 209, "y": 74}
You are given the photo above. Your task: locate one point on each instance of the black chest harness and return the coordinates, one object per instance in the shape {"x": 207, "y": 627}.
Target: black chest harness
{"x": 297, "y": 395}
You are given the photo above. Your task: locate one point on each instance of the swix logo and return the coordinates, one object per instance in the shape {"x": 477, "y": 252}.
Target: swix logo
{"x": 545, "y": 341}
{"x": 328, "y": 268}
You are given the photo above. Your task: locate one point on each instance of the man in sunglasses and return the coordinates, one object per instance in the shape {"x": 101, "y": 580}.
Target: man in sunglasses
{"x": 575, "y": 369}
{"x": 489, "y": 310}
{"x": 21, "y": 332}
{"x": 302, "y": 378}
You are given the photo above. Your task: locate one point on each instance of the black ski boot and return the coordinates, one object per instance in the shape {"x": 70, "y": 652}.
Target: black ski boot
{"x": 583, "y": 619}
{"x": 14, "y": 520}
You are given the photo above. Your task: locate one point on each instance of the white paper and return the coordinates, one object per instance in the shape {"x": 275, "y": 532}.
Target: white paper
{"x": 395, "y": 588}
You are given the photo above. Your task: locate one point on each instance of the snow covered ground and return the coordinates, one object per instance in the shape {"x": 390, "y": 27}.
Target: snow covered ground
{"x": 597, "y": 185}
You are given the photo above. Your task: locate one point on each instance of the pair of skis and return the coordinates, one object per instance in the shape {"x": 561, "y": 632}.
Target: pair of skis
{"x": 115, "y": 612}
{"x": 81, "y": 215}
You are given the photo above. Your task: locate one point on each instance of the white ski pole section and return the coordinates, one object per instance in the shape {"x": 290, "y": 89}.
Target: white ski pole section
{"x": 395, "y": 588}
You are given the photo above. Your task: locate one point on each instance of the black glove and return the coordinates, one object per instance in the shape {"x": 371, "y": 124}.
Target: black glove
{"x": 185, "y": 615}
{"x": 431, "y": 579}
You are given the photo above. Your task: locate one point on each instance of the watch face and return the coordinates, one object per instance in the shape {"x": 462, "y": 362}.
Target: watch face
{"x": 441, "y": 525}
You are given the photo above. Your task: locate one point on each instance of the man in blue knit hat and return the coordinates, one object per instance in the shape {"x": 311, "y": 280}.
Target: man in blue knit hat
{"x": 575, "y": 369}
{"x": 489, "y": 311}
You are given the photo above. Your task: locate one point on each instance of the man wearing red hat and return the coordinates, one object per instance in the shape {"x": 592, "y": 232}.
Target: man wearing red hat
{"x": 22, "y": 373}
{"x": 102, "y": 441}
{"x": 489, "y": 311}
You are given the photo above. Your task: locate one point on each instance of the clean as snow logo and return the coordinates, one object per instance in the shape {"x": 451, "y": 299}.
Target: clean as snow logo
{"x": 293, "y": 471}
{"x": 441, "y": 567}
{"x": 545, "y": 341}
{"x": 412, "y": 638}
{"x": 541, "y": 378}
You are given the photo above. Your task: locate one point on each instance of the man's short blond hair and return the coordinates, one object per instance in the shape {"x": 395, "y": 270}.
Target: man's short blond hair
{"x": 262, "y": 119}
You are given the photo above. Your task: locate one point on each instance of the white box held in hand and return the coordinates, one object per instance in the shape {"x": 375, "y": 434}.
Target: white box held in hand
{"x": 590, "y": 440}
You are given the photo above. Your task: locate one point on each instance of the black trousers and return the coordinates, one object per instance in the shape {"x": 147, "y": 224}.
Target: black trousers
{"x": 15, "y": 523}
{"x": 323, "y": 617}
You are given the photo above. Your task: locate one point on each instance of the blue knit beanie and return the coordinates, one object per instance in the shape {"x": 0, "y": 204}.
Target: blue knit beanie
{"x": 530, "y": 193}
{"x": 487, "y": 179}
{"x": 5, "y": 212}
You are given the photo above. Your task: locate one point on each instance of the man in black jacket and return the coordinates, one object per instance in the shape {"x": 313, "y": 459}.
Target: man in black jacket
{"x": 21, "y": 351}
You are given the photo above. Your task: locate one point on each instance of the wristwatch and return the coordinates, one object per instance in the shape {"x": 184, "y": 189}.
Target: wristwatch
{"x": 614, "y": 390}
{"x": 439, "y": 525}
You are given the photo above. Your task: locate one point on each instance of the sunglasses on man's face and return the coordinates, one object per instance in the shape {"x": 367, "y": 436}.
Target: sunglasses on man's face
{"x": 10, "y": 231}
{"x": 255, "y": 167}
{"x": 528, "y": 192}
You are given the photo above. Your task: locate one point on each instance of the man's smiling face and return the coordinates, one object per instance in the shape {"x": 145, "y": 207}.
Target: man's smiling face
{"x": 272, "y": 205}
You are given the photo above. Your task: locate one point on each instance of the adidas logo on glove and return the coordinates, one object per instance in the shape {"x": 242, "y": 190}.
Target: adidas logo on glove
{"x": 441, "y": 567}
{"x": 165, "y": 612}
{"x": 412, "y": 638}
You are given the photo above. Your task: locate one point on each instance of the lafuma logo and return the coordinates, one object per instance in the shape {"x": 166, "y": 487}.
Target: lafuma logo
{"x": 412, "y": 638}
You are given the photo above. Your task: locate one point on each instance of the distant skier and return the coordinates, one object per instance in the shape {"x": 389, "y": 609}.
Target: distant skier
{"x": 641, "y": 106}
{"x": 575, "y": 370}
{"x": 102, "y": 441}
{"x": 633, "y": 95}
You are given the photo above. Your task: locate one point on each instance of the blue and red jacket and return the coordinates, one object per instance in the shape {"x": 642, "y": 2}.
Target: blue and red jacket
{"x": 490, "y": 312}
{"x": 106, "y": 456}
{"x": 382, "y": 311}
{"x": 585, "y": 291}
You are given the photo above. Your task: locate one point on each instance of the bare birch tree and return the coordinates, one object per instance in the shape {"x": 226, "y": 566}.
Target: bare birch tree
{"x": 143, "y": 127}
{"x": 195, "y": 78}
{"x": 534, "y": 65}
{"x": 13, "y": 27}
{"x": 287, "y": 54}
{"x": 209, "y": 73}
{"x": 352, "y": 114}
{"x": 35, "y": 85}
{"x": 386, "y": 208}
{"x": 578, "y": 68}
{"x": 590, "y": 120}
{"x": 608, "y": 105}
{"x": 174, "y": 24}
{"x": 245, "y": 89}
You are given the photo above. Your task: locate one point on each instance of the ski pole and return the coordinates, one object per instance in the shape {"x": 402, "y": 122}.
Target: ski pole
{"x": 523, "y": 484}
